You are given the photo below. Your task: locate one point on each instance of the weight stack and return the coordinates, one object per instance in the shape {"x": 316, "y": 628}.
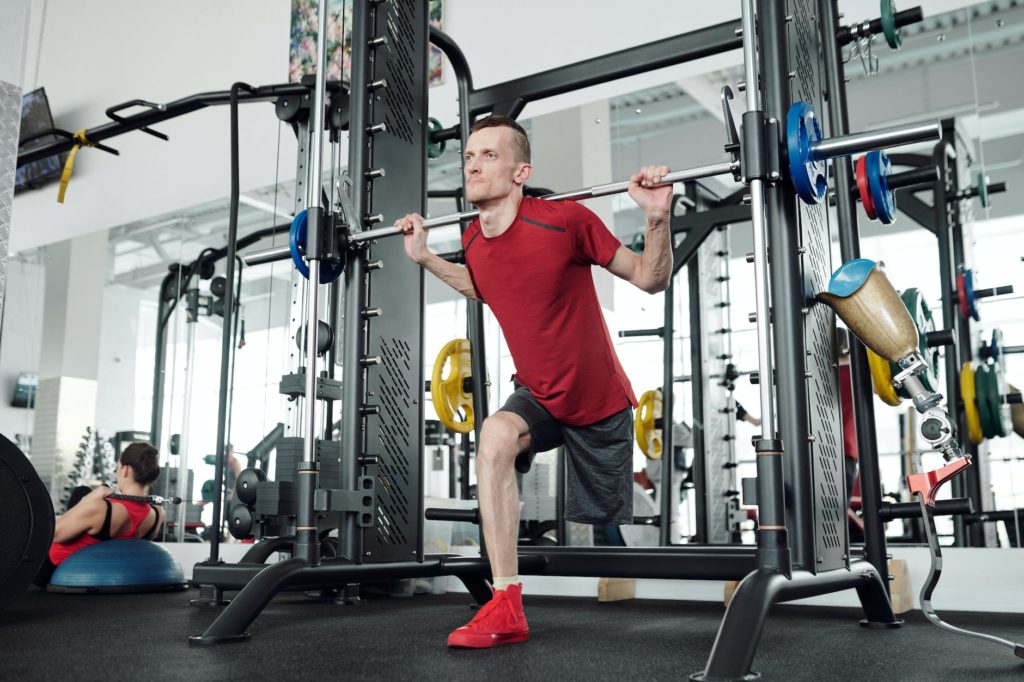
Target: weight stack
{"x": 289, "y": 455}
{"x": 275, "y": 498}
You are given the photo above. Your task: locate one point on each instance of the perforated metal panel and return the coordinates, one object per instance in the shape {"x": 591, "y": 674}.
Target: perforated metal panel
{"x": 395, "y": 434}
{"x": 10, "y": 127}
{"x": 824, "y": 422}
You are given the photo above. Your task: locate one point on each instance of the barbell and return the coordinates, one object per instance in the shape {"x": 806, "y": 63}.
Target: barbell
{"x": 279, "y": 253}
{"x": 807, "y": 148}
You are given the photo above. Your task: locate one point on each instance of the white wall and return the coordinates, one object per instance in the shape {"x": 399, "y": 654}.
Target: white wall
{"x": 14, "y": 40}
{"x": 90, "y": 56}
{"x": 22, "y": 333}
{"x": 115, "y": 372}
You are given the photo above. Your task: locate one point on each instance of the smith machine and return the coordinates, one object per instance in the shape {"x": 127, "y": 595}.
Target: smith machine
{"x": 375, "y": 499}
{"x": 367, "y": 485}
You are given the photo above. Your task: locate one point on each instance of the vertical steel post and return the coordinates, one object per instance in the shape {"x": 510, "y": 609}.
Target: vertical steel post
{"x": 353, "y": 429}
{"x": 157, "y": 416}
{"x": 849, "y": 246}
{"x": 307, "y": 543}
{"x": 701, "y": 454}
{"x": 474, "y": 309}
{"x": 945, "y": 186}
{"x": 668, "y": 502}
{"x": 192, "y": 314}
{"x": 772, "y": 536}
{"x": 972, "y": 535}
{"x": 212, "y": 594}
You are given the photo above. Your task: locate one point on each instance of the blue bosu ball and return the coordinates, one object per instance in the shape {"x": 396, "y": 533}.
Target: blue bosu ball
{"x": 121, "y": 565}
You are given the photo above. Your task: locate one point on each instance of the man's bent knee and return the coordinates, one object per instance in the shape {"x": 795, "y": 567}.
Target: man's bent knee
{"x": 502, "y": 437}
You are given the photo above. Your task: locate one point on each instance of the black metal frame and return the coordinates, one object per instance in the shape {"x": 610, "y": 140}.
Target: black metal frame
{"x": 769, "y": 576}
{"x": 943, "y": 219}
{"x": 849, "y": 245}
{"x": 815, "y": 569}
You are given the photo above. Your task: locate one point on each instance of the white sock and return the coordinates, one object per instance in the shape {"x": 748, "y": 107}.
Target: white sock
{"x": 501, "y": 583}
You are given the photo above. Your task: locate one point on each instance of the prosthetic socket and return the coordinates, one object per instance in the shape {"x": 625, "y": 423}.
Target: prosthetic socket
{"x": 862, "y": 296}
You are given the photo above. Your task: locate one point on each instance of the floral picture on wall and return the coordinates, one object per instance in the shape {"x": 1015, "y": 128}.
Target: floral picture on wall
{"x": 339, "y": 40}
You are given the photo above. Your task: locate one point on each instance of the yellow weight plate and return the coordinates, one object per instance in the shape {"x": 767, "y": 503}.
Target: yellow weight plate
{"x": 881, "y": 377}
{"x": 968, "y": 395}
{"x": 448, "y": 392}
{"x": 648, "y": 409}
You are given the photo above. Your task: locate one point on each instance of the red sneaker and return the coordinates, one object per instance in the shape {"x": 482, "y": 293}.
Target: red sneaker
{"x": 499, "y": 621}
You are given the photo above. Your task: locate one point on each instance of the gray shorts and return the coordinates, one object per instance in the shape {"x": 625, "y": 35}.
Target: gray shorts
{"x": 599, "y": 459}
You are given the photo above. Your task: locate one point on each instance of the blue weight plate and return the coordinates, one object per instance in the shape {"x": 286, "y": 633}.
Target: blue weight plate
{"x": 808, "y": 175}
{"x": 297, "y": 246}
{"x": 972, "y": 306}
{"x": 996, "y": 346}
{"x": 884, "y": 199}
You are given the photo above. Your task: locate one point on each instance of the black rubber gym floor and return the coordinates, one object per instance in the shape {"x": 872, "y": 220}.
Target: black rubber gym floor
{"x": 144, "y": 637}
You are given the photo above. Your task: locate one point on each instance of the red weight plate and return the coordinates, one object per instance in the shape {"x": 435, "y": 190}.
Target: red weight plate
{"x": 961, "y": 296}
{"x": 863, "y": 189}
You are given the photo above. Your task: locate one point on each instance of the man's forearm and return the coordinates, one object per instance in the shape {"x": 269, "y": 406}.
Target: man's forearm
{"x": 455, "y": 276}
{"x": 656, "y": 261}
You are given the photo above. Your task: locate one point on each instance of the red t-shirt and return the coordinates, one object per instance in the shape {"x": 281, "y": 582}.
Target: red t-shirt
{"x": 137, "y": 512}
{"x": 536, "y": 279}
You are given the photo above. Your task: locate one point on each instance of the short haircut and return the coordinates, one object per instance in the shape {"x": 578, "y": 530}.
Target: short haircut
{"x": 144, "y": 460}
{"x": 520, "y": 142}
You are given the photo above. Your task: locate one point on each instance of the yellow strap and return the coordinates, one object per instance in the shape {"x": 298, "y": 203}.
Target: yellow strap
{"x": 69, "y": 165}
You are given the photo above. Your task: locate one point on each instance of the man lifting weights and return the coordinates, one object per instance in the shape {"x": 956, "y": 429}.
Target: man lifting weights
{"x": 530, "y": 260}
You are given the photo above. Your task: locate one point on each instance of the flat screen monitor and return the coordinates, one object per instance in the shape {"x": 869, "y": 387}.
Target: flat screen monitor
{"x": 25, "y": 390}
{"x": 35, "y": 118}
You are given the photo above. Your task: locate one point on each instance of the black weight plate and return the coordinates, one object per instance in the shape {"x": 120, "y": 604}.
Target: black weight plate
{"x": 245, "y": 486}
{"x": 240, "y": 522}
{"x": 26, "y": 523}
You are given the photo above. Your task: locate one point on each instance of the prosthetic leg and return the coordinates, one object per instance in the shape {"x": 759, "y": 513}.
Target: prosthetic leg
{"x": 866, "y": 301}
